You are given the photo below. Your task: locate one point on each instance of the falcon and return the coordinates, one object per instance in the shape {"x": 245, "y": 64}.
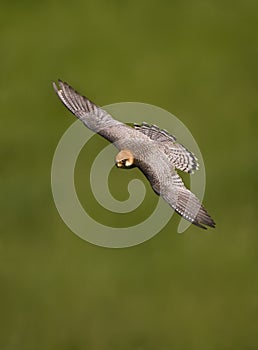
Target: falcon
{"x": 154, "y": 151}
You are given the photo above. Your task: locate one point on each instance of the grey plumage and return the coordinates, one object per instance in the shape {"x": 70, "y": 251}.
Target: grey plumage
{"x": 179, "y": 156}
{"x": 155, "y": 152}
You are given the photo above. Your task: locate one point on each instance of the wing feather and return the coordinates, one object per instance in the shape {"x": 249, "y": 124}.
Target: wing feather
{"x": 169, "y": 185}
{"x": 94, "y": 117}
{"x": 186, "y": 203}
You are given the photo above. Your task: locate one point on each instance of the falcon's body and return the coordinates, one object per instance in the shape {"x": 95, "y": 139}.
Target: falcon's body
{"x": 153, "y": 151}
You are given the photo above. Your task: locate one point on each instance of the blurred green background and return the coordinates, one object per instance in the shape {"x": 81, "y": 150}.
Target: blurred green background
{"x": 199, "y": 290}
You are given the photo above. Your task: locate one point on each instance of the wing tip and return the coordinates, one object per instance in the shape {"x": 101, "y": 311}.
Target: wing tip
{"x": 55, "y": 86}
{"x": 208, "y": 221}
{"x": 60, "y": 84}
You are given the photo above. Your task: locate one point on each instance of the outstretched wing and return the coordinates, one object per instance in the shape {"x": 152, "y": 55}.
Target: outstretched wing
{"x": 169, "y": 185}
{"x": 94, "y": 117}
{"x": 186, "y": 203}
{"x": 180, "y": 157}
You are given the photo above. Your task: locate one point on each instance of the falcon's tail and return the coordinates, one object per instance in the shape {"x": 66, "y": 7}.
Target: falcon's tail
{"x": 180, "y": 157}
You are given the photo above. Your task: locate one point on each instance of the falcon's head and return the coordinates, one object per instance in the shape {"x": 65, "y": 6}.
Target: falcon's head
{"x": 124, "y": 159}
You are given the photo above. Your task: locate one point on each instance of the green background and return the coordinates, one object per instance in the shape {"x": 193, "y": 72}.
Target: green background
{"x": 199, "y": 290}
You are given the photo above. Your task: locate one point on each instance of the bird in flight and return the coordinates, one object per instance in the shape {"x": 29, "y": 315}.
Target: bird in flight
{"x": 154, "y": 151}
